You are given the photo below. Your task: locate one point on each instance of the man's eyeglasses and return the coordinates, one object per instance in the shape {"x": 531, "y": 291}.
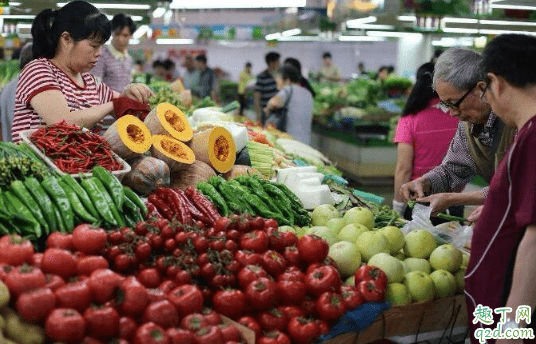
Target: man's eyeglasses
{"x": 456, "y": 105}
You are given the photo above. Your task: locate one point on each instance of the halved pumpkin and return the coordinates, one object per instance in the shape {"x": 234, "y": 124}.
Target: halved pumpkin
{"x": 128, "y": 137}
{"x": 168, "y": 119}
{"x": 215, "y": 147}
{"x": 173, "y": 152}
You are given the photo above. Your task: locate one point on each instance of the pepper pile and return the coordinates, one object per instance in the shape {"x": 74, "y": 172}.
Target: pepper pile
{"x": 255, "y": 196}
{"x": 18, "y": 162}
{"x": 73, "y": 149}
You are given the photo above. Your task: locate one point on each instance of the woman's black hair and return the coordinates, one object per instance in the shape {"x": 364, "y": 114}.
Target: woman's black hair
{"x": 288, "y": 72}
{"x": 79, "y": 19}
{"x": 303, "y": 81}
{"x": 168, "y": 64}
{"x": 121, "y": 21}
{"x": 158, "y": 63}
{"x": 422, "y": 90}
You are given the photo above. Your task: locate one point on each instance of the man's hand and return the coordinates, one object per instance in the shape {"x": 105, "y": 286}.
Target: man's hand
{"x": 415, "y": 189}
{"x": 438, "y": 202}
{"x": 475, "y": 214}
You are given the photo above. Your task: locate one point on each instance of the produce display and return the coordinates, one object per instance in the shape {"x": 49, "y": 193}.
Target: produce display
{"x": 128, "y": 137}
{"x": 8, "y": 70}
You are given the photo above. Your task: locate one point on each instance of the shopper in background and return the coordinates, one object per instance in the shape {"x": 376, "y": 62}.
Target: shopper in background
{"x": 57, "y": 85}
{"x": 244, "y": 78}
{"x": 303, "y": 81}
{"x": 115, "y": 65}
{"x": 480, "y": 141}
{"x": 191, "y": 75}
{"x": 501, "y": 270}
{"x": 437, "y": 53}
{"x": 329, "y": 72}
{"x": 171, "y": 72}
{"x": 383, "y": 73}
{"x": 297, "y": 101}
{"x": 266, "y": 85}
{"x": 423, "y": 136}
{"x": 361, "y": 71}
{"x": 206, "y": 77}
{"x": 159, "y": 70}
{"x": 7, "y": 96}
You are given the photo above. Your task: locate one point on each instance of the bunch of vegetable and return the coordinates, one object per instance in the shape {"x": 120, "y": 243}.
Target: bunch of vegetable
{"x": 255, "y": 196}
{"x": 18, "y": 162}
{"x": 165, "y": 94}
{"x": 73, "y": 149}
{"x": 8, "y": 70}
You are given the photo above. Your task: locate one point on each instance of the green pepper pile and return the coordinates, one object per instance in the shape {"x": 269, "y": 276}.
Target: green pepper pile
{"x": 33, "y": 208}
{"x": 256, "y": 196}
{"x": 18, "y": 162}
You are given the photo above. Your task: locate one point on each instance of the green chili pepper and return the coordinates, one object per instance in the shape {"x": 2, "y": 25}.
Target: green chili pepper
{"x": 18, "y": 188}
{"x": 229, "y": 193}
{"x": 112, "y": 185}
{"x": 214, "y": 196}
{"x": 129, "y": 208}
{"x": 81, "y": 193}
{"x": 4, "y": 227}
{"x": 58, "y": 195}
{"x": 256, "y": 187}
{"x": 59, "y": 220}
{"x": 263, "y": 210}
{"x": 108, "y": 198}
{"x": 77, "y": 205}
{"x": 129, "y": 220}
{"x": 44, "y": 202}
{"x": 131, "y": 195}
{"x": 216, "y": 181}
{"x": 99, "y": 201}
{"x": 22, "y": 213}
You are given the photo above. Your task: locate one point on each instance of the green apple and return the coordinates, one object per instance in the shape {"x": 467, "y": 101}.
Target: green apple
{"x": 350, "y": 281}
{"x": 419, "y": 244}
{"x": 351, "y": 232}
{"x": 465, "y": 260}
{"x": 395, "y": 237}
{"x": 323, "y": 213}
{"x": 460, "y": 280}
{"x": 400, "y": 255}
{"x": 300, "y": 231}
{"x": 406, "y": 269}
{"x": 418, "y": 264}
{"x": 325, "y": 233}
{"x": 360, "y": 215}
{"x": 420, "y": 286}
{"x": 371, "y": 243}
{"x": 397, "y": 294}
{"x": 347, "y": 256}
{"x": 446, "y": 257}
{"x": 335, "y": 224}
{"x": 287, "y": 229}
{"x": 444, "y": 283}
{"x": 392, "y": 267}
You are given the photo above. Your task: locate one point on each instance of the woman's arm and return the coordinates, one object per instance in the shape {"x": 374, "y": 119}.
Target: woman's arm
{"x": 404, "y": 168}
{"x": 276, "y": 102}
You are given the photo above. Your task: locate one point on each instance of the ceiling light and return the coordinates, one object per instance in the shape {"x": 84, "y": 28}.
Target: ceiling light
{"x": 143, "y": 29}
{"x": 134, "y": 18}
{"x": 460, "y": 30}
{"x": 177, "y": 41}
{"x": 114, "y": 6}
{"x": 360, "y": 39}
{"x": 300, "y": 39}
{"x": 452, "y": 42}
{"x": 205, "y": 4}
{"x": 17, "y": 16}
{"x": 514, "y": 7}
{"x": 367, "y": 20}
{"x": 24, "y": 26}
{"x": 393, "y": 34}
{"x": 501, "y": 32}
{"x": 460, "y": 20}
{"x": 159, "y": 12}
{"x": 292, "y": 32}
{"x": 371, "y": 27}
{"x": 507, "y": 22}
{"x": 407, "y": 18}
{"x": 273, "y": 36}
{"x": 12, "y": 3}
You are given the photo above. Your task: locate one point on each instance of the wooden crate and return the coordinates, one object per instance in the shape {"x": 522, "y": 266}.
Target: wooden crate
{"x": 411, "y": 319}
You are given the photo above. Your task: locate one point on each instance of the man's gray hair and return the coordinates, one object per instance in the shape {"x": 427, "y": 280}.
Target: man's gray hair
{"x": 459, "y": 67}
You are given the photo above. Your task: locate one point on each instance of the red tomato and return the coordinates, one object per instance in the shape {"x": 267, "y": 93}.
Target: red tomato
{"x": 291, "y": 292}
{"x": 252, "y": 324}
{"x": 75, "y": 295}
{"x": 270, "y": 223}
{"x": 102, "y": 323}
{"x": 167, "y": 286}
{"x": 292, "y": 256}
{"x": 142, "y": 251}
{"x": 249, "y": 274}
{"x": 156, "y": 295}
{"x": 65, "y": 325}
{"x": 162, "y": 313}
{"x": 309, "y": 306}
{"x": 89, "y": 340}
{"x": 289, "y": 239}
{"x": 229, "y": 333}
{"x": 303, "y": 331}
{"x": 141, "y": 228}
{"x": 323, "y": 326}
{"x": 87, "y": 265}
{"x": 277, "y": 243}
{"x": 351, "y": 296}
{"x": 247, "y": 258}
{"x": 103, "y": 284}
{"x": 211, "y": 317}
{"x": 53, "y": 282}
{"x": 168, "y": 232}
{"x": 24, "y": 279}
{"x": 330, "y": 306}
{"x": 229, "y": 302}
{"x": 209, "y": 335}
{"x": 274, "y": 263}
{"x": 372, "y": 291}
{"x": 60, "y": 240}
{"x": 187, "y": 298}
{"x": 35, "y": 305}
{"x": 37, "y": 259}
{"x": 123, "y": 262}
{"x": 312, "y": 249}
{"x": 274, "y": 337}
{"x": 150, "y": 333}
{"x": 180, "y": 336}
{"x": 59, "y": 262}
{"x": 272, "y": 320}
{"x": 256, "y": 241}
{"x": 322, "y": 279}
{"x": 371, "y": 273}
{"x": 89, "y": 239}
{"x": 132, "y": 297}
{"x": 127, "y": 328}
{"x": 292, "y": 311}
{"x": 194, "y": 322}
{"x": 262, "y": 294}
{"x": 15, "y": 250}
{"x": 222, "y": 224}
{"x": 233, "y": 267}
{"x": 256, "y": 223}
{"x": 150, "y": 278}
{"x": 292, "y": 276}
{"x": 183, "y": 277}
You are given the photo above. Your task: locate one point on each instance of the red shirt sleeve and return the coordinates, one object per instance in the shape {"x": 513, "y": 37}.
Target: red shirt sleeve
{"x": 37, "y": 77}
{"x": 404, "y": 132}
{"x": 106, "y": 94}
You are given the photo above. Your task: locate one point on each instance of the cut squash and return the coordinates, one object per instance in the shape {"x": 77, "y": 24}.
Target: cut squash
{"x": 169, "y": 120}
{"x": 174, "y": 153}
{"x": 147, "y": 174}
{"x": 215, "y": 147}
{"x": 191, "y": 175}
{"x": 128, "y": 137}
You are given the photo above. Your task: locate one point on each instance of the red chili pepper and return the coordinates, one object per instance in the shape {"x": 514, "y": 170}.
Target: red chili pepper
{"x": 183, "y": 207}
{"x": 151, "y": 210}
{"x": 203, "y": 204}
{"x": 162, "y": 207}
{"x": 196, "y": 213}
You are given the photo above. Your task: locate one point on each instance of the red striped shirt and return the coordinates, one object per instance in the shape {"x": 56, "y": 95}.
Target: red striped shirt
{"x": 42, "y": 75}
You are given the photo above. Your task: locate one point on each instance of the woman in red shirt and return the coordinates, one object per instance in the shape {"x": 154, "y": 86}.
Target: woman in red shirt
{"x": 423, "y": 135}
{"x": 57, "y": 85}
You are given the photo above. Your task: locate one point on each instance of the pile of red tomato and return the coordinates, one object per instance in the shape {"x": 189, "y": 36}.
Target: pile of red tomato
{"x": 164, "y": 282}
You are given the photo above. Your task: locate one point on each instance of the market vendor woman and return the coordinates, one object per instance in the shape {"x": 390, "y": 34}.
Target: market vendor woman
{"x": 57, "y": 85}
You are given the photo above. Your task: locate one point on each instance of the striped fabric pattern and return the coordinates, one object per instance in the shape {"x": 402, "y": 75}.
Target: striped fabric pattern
{"x": 42, "y": 75}
{"x": 115, "y": 73}
{"x": 266, "y": 86}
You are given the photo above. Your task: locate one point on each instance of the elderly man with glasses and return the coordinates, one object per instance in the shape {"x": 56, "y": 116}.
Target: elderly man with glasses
{"x": 480, "y": 141}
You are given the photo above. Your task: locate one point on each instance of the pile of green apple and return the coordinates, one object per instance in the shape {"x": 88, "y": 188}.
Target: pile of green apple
{"x": 417, "y": 268}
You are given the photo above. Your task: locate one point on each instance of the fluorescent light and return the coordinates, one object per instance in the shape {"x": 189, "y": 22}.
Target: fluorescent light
{"x": 300, "y": 39}
{"x": 407, "y": 18}
{"x": 177, "y": 41}
{"x": 507, "y": 22}
{"x": 205, "y": 4}
{"x": 501, "y": 32}
{"x": 392, "y": 34}
{"x": 159, "y": 12}
{"x": 452, "y": 42}
{"x": 360, "y": 39}
{"x": 460, "y": 20}
{"x": 460, "y": 30}
{"x": 367, "y": 20}
{"x": 12, "y": 3}
{"x": 514, "y": 7}
{"x": 17, "y": 16}
{"x": 292, "y": 32}
{"x": 273, "y": 36}
{"x": 24, "y": 26}
{"x": 143, "y": 29}
{"x": 134, "y": 18}
{"x": 133, "y": 41}
{"x": 114, "y": 6}
{"x": 371, "y": 27}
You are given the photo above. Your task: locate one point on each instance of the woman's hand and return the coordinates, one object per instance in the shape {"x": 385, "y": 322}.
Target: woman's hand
{"x": 475, "y": 214}
{"x": 140, "y": 92}
{"x": 438, "y": 202}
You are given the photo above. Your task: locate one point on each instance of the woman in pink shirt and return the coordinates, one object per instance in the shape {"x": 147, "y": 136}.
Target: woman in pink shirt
{"x": 423, "y": 135}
